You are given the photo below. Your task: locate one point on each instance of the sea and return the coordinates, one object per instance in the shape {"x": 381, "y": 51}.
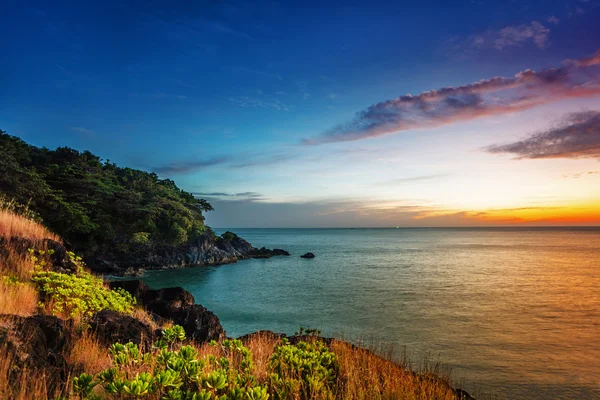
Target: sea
{"x": 509, "y": 313}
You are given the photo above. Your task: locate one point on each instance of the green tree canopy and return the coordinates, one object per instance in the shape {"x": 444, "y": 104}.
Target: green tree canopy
{"x": 93, "y": 204}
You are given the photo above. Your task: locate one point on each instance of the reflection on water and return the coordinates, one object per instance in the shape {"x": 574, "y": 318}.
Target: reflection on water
{"x": 516, "y": 311}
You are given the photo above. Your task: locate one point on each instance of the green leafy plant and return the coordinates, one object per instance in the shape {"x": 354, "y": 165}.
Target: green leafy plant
{"x": 306, "y": 367}
{"x": 77, "y": 295}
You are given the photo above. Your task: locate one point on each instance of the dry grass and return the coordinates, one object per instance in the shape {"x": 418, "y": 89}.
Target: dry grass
{"x": 12, "y": 224}
{"x": 142, "y": 315}
{"x": 14, "y": 259}
{"x": 18, "y": 299}
{"x": 88, "y": 355}
{"x": 364, "y": 375}
{"x": 262, "y": 346}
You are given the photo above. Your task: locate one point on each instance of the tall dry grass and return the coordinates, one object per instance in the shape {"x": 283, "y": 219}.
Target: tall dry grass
{"x": 17, "y": 298}
{"x": 366, "y": 376}
{"x": 14, "y": 259}
{"x": 13, "y": 224}
{"x": 88, "y": 355}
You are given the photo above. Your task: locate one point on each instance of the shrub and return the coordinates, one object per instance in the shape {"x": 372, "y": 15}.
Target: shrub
{"x": 308, "y": 368}
{"x": 78, "y": 295}
{"x": 229, "y": 236}
{"x": 140, "y": 238}
{"x": 175, "y": 372}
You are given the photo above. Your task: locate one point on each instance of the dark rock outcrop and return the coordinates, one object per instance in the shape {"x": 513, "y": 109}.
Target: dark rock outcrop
{"x": 113, "y": 327}
{"x": 263, "y": 252}
{"x": 177, "y": 305}
{"x": 308, "y": 255}
{"x": 37, "y": 345}
{"x": 207, "y": 249}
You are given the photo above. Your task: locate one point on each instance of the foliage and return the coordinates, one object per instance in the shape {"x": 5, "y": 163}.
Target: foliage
{"x": 95, "y": 204}
{"x": 77, "y": 295}
{"x": 229, "y": 236}
{"x": 10, "y": 205}
{"x": 309, "y": 368}
{"x": 307, "y": 331}
{"x": 175, "y": 372}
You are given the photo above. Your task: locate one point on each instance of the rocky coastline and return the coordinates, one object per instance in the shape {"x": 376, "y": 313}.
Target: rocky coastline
{"x": 205, "y": 250}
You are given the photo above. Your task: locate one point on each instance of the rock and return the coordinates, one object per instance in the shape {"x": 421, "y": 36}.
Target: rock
{"x": 113, "y": 327}
{"x": 263, "y": 252}
{"x": 37, "y": 345}
{"x": 207, "y": 249}
{"x": 199, "y": 323}
{"x": 308, "y": 255}
{"x": 177, "y": 305}
{"x": 462, "y": 395}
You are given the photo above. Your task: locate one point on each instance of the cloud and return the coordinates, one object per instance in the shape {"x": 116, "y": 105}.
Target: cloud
{"x": 519, "y": 34}
{"x": 577, "y": 136}
{"x": 82, "y": 130}
{"x": 414, "y": 179}
{"x": 222, "y": 196}
{"x": 553, "y": 20}
{"x": 510, "y": 36}
{"x": 187, "y": 167}
{"x": 588, "y": 61}
{"x": 488, "y": 97}
{"x": 580, "y": 175}
{"x": 264, "y": 160}
{"x": 230, "y": 161}
{"x": 252, "y": 102}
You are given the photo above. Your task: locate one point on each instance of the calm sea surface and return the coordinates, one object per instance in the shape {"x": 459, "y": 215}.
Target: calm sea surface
{"x": 511, "y": 311}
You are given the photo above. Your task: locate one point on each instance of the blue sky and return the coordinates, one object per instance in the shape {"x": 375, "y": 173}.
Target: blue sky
{"x": 275, "y": 111}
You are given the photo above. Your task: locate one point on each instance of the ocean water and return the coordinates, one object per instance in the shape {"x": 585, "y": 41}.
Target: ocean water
{"x": 514, "y": 312}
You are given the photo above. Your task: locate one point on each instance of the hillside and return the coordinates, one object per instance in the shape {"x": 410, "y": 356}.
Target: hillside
{"x": 119, "y": 219}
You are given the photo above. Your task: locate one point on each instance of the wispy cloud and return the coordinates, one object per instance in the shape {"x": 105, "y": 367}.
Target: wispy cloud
{"x": 82, "y": 130}
{"x": 250, "y": 160}
{"x": 414, "y": 179}
{"x": 580, "y": 175}
{"x": 516, "y": 35}
{"x": 577, "y": 136}
{"x": 187, "y": 167}
{"x": 264, "y": 160}
{"x": 253, "y": 102}
{"x": 588, "y": 61}
{"x": 533, "y": 33}
{"x": 494, "y": 96}
{"x": 223, "y": 196}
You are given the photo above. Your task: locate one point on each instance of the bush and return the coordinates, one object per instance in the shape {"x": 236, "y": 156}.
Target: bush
{"x": 179, "y": 374}
{"x": 140, "y": 238}
{"x": 78, "y": 295}
{"x": 308, "y": 368}
{"x": 174, "y": 371}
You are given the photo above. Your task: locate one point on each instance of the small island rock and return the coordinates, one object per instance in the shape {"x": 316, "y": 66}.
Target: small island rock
{"x": 308, "y": 255}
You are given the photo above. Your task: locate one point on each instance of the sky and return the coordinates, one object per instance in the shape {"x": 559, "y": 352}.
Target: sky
{"x": 324, "y": 114}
